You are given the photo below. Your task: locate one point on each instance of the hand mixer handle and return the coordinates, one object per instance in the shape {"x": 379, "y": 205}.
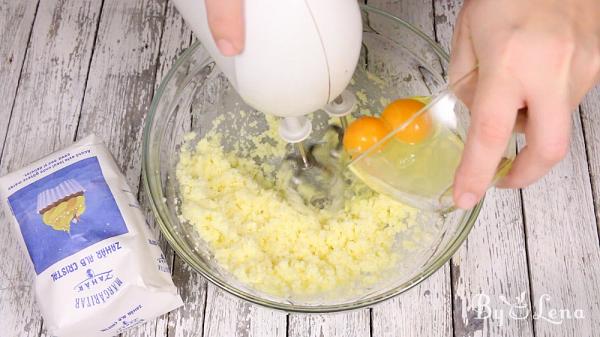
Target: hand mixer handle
{"x": 298, "y": 56}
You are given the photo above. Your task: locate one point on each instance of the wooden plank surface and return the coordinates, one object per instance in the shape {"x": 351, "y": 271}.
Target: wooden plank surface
{"x": 590, "y": 118}
{"x": 562, "y": 244}
{"x": 188, "y": 321}
{"x": 444, "y": 16}
{"x": 121, "y": 80}
{"x": 425, "y": 310}
{"x": 418, "y": 13}
{"x": 347, "y": 324}
{"x": 44, "y": 119}
{"x": 489, "y": 272}
{"x": 229, "y": 316}
{"x": 490, "y": 269}
{"x": 16, "y": 22}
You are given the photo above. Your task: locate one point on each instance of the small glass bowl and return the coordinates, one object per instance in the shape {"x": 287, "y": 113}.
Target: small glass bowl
{"x": 421, "y": 174}
{"x": 400, "y": 57}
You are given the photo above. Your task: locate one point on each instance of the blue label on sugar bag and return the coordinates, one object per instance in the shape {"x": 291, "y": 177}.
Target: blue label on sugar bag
{"x": 65, "y": 212}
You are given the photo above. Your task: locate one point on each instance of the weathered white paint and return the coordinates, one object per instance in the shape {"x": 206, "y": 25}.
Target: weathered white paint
{"x": 16, "y": 22}
{"x": 444, "y": 16}
{"x": 590, "y": 118}
{"x": 188, "y": 321}
{"x": 492, "y": 262}
{"x": 347, "y": 324}
{"x": 562, "y": 242}
{"x": 44, "y": 119}
{"x": 425, "y": 310}
{"x": 416, "y": 12}
{"x": 232, "y": 317}
{"x": 121, "y": 80}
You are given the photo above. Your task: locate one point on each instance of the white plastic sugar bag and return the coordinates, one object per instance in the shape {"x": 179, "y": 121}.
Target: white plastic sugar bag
{"x": 99, "y": 268}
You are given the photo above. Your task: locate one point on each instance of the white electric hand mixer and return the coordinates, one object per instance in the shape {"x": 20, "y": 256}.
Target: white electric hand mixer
{"x": 299, "y": 56}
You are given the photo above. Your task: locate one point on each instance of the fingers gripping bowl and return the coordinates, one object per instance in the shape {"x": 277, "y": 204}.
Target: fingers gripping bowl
{"x": 214, "y": 167}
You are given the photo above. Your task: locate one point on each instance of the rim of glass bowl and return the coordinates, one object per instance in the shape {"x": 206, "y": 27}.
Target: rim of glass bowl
{"x": 153, "y": 189}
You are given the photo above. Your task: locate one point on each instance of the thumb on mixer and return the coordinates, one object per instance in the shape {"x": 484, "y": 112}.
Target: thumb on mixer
{"x": 226, "y": 22}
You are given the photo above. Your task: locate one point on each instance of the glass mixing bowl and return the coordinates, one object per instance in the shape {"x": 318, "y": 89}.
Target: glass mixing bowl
{"x": 397, "y": 60}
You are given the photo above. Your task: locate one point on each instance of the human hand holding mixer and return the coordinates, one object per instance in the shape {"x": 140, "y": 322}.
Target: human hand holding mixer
{"x": 540, "y": 55}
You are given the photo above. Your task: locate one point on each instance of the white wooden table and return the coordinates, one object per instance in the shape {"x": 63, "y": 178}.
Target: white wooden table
{"x": 72, "y": 67}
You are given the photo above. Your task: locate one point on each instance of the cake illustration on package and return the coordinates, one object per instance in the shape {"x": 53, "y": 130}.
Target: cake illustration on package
{"x": 62, "y": 205}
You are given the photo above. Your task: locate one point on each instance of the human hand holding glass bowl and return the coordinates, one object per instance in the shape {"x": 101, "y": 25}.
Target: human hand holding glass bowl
{"x": 411, "y": 150}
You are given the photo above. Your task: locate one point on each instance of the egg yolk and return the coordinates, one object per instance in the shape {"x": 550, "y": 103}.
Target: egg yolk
{"x": 363, "y": 133}
{"x": 398, "y": 112}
